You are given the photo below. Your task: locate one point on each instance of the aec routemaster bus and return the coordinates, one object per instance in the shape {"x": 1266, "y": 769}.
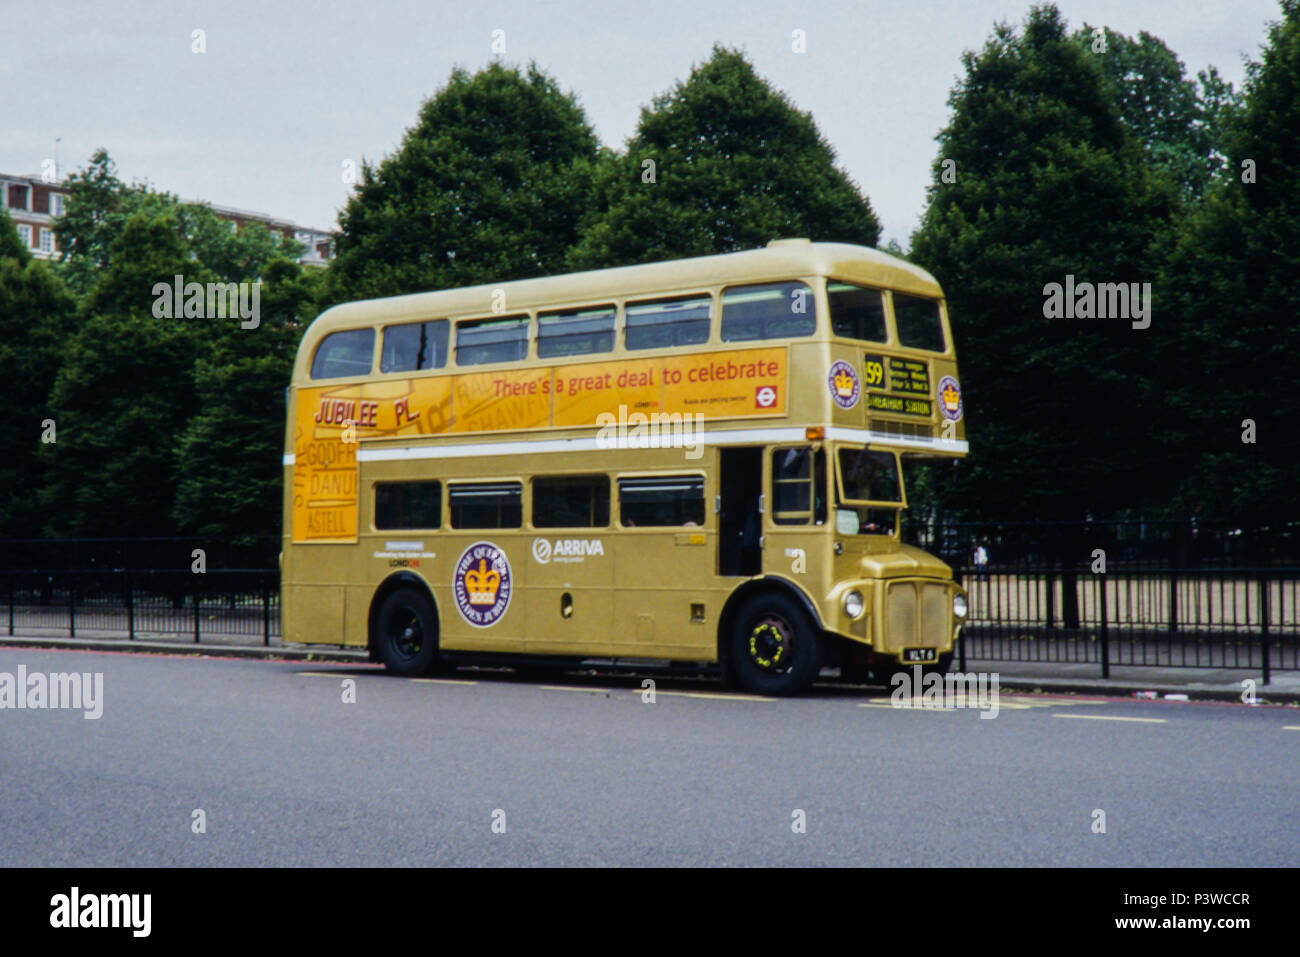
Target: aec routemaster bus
{"x": 694, "y": 461}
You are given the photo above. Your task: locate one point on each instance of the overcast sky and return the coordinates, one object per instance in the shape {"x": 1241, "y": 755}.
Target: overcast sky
{"x": 286, "y": 92}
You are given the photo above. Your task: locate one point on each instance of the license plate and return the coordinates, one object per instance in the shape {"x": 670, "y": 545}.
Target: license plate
{"x": 919, "y": 654}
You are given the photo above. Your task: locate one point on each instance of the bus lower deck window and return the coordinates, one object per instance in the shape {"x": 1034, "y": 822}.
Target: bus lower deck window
{"x": 571, "y": 501}
{"x": 659, "y": 501}
{"x": 486, "y": 505}
{"x": 413, "y": 505}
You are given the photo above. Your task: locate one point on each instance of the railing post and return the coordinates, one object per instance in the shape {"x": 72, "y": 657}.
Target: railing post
{"x": 1263, "y": 622}
{"x": 1173, "y": 596}
{"x": 961, "y": 641}
{"x": 1105, "y": 630}
{"x": 72, "y": 604}
{"x": 266, "y": 611}
{"x": 196, "y": 609}
{"x": 130, "y": 606}
{"x": 11, "y": 605}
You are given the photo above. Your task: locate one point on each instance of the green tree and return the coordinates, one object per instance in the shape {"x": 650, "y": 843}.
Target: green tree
{"x": 1048, "y": 183}
{"x": 721, "y": 163}
{"x": 123, "y": 393}
{"x": 1231, "y": 283}
{"x": 100, "y": 204}
{"x": 1179, "y": 122}
{"x": 36, "y": 313}
{"x": 490, "y": 184}
{"x": 228, "y": 457}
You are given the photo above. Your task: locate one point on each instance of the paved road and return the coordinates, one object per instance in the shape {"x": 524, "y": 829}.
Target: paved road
{"x": 287, "y": 773}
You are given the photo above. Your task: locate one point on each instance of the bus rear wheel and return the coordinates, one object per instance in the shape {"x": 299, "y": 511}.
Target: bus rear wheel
{"x": 406, "y": 633}
{"x": 775, "y": 647}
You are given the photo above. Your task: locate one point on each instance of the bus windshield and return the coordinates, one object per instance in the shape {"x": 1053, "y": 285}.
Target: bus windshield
{"x": 870, "y": 492}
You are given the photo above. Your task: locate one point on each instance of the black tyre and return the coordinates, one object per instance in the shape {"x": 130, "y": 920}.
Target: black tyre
{"x": 776, "y": 647}
{"x": 406, "y": 633}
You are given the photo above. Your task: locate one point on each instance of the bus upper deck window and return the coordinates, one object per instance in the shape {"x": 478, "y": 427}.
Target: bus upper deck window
{"x": 480, "y": 341}
{"x": 342, "y": 354}
{"x": 575, "y": 332}
{"x": 412, "y": 346}
{"x": 857, "y": 312}
{"x": 920, "y": 326}
{"x": 681, "y": 321}
{"x": 770, "y": 311}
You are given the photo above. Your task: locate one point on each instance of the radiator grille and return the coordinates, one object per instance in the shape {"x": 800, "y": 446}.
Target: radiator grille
{"x": 916, "y": 615}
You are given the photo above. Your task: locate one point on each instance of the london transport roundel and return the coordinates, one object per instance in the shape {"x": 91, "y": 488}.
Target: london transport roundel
{"x": 481, "y": 584}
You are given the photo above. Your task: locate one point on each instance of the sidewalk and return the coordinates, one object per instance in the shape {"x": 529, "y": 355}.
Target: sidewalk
{"x": 1203, "y": 684}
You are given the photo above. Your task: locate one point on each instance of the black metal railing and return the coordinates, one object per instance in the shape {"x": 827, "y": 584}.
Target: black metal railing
{"x": 1153, "y": 594}
{"x": 239, "y": 605}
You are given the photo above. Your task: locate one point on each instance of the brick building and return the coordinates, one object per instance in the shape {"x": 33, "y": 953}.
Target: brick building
{"x": 33, "y": 204}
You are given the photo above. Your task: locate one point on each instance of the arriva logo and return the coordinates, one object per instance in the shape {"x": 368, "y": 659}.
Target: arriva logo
{"x": 566, "y": 549}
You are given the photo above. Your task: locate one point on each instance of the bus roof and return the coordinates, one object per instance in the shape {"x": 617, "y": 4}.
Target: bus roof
{"x": 780, "y": 259}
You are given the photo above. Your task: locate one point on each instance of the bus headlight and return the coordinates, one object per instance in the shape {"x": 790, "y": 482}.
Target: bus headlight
{"x": 959, "y": 605}
{"x": 853, "y": 603}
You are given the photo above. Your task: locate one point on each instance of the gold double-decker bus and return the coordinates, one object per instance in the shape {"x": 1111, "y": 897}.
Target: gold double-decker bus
{"x": 694, "y": 462}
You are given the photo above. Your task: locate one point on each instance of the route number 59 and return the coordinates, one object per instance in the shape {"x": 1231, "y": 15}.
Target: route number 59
{"x": 874, "y": 373}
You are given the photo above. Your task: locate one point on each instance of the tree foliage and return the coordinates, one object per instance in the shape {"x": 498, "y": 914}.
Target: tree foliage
{"x": 1230, "y": 285}
{"x": 36, "y": 313}
{"x": 720, "y": 163}
{"x": 489, "y": 185}
{"x": 1049, "y": 183}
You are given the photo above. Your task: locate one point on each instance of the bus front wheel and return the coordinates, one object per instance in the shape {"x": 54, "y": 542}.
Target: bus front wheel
{"x": 406, "y": 633}
{"x": 776, "y": 647}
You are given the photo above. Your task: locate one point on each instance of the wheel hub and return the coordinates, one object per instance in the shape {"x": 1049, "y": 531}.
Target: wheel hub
{"x": 769, "y": 644}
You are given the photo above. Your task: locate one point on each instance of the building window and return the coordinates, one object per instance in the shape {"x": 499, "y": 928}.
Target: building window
{"x": 18, "y": 197}
{"x": 58, "y": 204}
{"x": 47, "y": 240}
{"x": 25, "y": 234}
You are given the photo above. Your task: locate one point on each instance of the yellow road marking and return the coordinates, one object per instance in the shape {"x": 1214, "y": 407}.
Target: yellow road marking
{"x": 971, "y": 705}
{"x": 1109, "y": 717}
{"x": 443, "y": 681}
{"x": 705, "y": 694}
{"x": 1291, "y": 727}
{"x": 580, "y": 690}
{"x": 325, "y": 674}
{"x": 890, "y": 707}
